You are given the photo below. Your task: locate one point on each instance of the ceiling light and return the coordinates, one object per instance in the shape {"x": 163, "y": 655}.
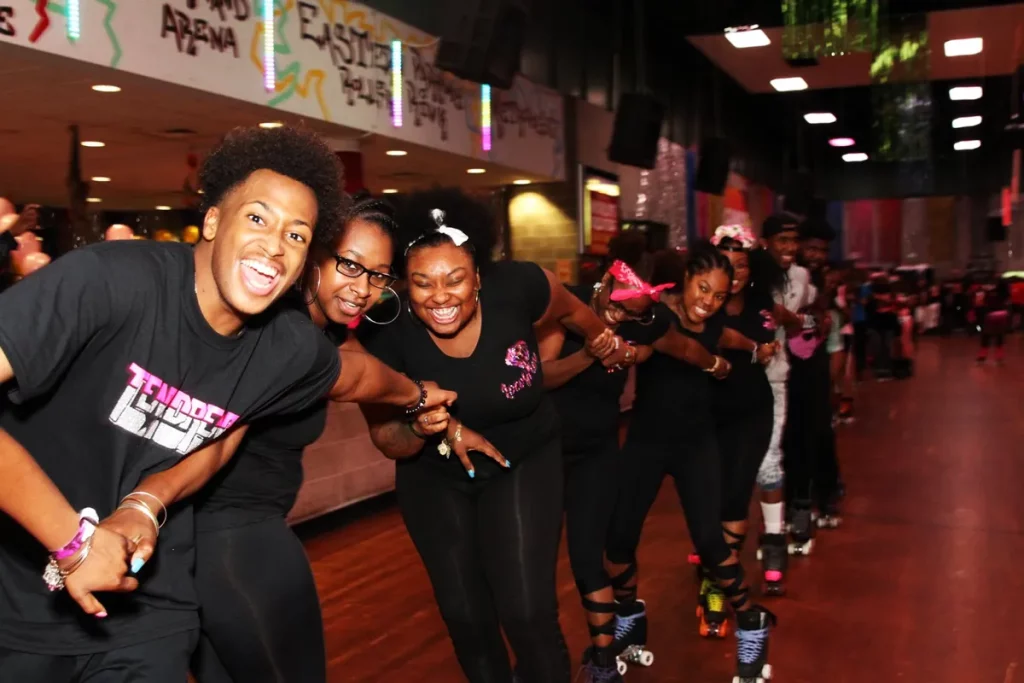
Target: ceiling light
{"x": 855, "y": 156}
{"x": 963, "y": 47}
{"x": 92, "y": 143}
{"x": 271, "y": 124}
{"x": 747, "y": 36}
{"x": 475, "y": 171}
{"x": 965, "y": 92}
{"x": 106, "y": 88}
{"x": 820, "y": 117}
{"x": 789, "y": 84}
{"x": 390, "y": 190}
{"x": 967, "y": 122}
{"x": 94, "y": 200}
{"x": 163, "y": 207}
{"x": 521, "y": 181}
{"x": 100, "y": 179}
{"x": 841, "y": 142}
{"x": 396, "y": 152}
{"x": 966, "y": 145}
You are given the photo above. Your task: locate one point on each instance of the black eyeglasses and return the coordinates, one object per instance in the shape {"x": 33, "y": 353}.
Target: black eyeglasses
{"x": 645, "y": 318}
{"x": 350, "y": 268}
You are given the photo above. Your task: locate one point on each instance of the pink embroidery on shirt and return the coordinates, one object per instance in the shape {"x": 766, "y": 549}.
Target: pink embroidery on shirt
{"x": 520, "y": 356}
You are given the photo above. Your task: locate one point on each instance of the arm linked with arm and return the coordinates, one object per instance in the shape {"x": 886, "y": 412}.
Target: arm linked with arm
{"x": 558, "y": 371}
{"x": 390, "y": 432}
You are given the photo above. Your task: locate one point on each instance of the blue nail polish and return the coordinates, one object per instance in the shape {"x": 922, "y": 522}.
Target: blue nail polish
{"x": 507, "y": 463}
{"x": 137, "y": 564}
{"x": 472, "y": 474}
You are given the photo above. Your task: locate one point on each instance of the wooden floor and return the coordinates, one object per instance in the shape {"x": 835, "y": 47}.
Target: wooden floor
{"x": 922, "y": 583}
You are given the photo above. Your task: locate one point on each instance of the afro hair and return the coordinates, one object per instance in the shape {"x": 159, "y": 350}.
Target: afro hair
{"x": 361, "y": 206}
{"x": 461, "y": 211}
{"x": 298, "y": 154}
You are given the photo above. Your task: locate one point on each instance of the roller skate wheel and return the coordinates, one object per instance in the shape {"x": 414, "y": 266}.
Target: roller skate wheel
{"x": 646, "y": 658}
{"x": 773, "y": 576}
{"x": 766, "y": 672}
{"x": 760, "y": 555}
{"x": 621, "y": 666}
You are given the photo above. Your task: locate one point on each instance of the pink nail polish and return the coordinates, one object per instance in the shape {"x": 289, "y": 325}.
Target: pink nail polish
{"x": 101, "y": 615}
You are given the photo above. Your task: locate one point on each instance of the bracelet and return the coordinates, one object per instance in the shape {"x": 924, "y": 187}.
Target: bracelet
{"x": 714, "y": 368}
{"x": 136, "y": 494}
{"x": 133, "y": 504}
{"x": 54, "y": 576}
{"x": 87, "y": 521}
{"x": 753, "y": 354}
{"x": 630, "y": 354}
{"x": 423, "y": 399}
{"x": 411, "y": 424}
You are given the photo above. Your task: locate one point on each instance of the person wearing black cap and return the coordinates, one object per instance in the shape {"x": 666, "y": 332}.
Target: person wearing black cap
{"x": 809, "y": 440}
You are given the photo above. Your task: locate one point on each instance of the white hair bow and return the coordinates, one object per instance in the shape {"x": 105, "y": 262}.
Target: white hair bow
{"x": 454, "y": 234}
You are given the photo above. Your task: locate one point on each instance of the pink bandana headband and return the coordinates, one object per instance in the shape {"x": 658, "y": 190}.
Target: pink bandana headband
{"x": 737, "y": 233}
{"x": 624, "y": 275}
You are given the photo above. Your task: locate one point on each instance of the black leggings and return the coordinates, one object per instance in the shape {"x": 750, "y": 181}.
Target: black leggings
{"x": 809, "y": 444}
{"x": 743, "y": 439}
{"x": 490, "y": 548}
{"x": 591, "y": 487}
{"x": 259, "y": 607}
{"x": 691, "y": 457}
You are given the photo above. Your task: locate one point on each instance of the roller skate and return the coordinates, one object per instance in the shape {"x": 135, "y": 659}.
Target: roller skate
{"x": 711, "y": 610}
{"x": 801, "y": 530}
{"x": 601, "y": 666}
{"x": 773, "y": 556}
{"x": 829, "y": 517}
{"x": 846, "y": 411}
{"x": 752, "y": 629}
{"x": 631, "y": 636}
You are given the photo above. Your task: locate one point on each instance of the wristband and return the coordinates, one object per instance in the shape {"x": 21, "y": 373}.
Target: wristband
{"x": 87, "y": 521}
{"x": 422, "y": 401}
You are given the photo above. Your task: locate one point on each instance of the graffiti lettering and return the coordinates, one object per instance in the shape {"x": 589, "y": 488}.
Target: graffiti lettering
{"x": 511, "y": 118}
{"x": 6, "y": 27}
{"x": 188, "y": 32}
{"x": 239, "y": 8}
{"x": 348, "y": 46}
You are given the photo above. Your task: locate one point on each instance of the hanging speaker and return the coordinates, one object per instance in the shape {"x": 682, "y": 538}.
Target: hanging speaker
{"x": 638, "y": 120}
{"x": 483, "y": 40}
{"x": 713, "y": 165}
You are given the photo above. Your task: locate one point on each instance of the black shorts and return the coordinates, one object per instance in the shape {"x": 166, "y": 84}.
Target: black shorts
{"x": 158, "y": 661}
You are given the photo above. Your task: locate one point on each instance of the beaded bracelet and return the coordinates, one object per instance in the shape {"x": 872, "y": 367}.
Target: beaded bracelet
{"x": 423, "y": 399}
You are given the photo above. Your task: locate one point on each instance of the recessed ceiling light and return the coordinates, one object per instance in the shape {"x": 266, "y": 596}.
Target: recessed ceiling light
{"x": 748, "y": 36}
{"x": 476, "y": 171}
{"x": 966, "y": 145}
{"x": 789, "y": 84}
{"x": 396, "y": 152}
{"x": 963, "y": 47}
{"x": 521, "y": 181}
{"x": 390, "y": 190}
{"x": 855, "y": 156}
{"x": 93, "y": 143}
{"x": 965, "y": 92}
{"x": 106, "y": 88}
{"x": 163, "y": 207}
{"x": 820, "y": 117}
{"x": 100, "y": 179}
{"x": 967, "y": 121}
{"x": 841, "y": 142}
{"x": 271, "y": 124}
{"x": 94, "y": 200}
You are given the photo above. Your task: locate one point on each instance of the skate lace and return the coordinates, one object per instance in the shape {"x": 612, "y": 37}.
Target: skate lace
{"x": 749, "y": 644}
{"x": 716, "y": 600}
{"x": 623, "y": 625}
{"x": 599, "y": 674}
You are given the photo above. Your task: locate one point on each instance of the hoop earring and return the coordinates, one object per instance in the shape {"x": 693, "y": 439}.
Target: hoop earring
{"x": 478, "y": 296}
{"x": 315, "y": 291}
{"x": 398, "y": 311}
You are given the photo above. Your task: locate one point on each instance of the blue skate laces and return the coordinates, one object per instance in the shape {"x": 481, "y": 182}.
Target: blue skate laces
{"x": 623, "y": 625}
{"x": 749, "y": 644}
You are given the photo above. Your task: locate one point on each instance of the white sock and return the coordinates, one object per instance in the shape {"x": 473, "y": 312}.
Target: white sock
{"x": 773, "y": 514}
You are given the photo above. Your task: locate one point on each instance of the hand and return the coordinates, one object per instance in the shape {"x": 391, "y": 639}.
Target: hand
{"x": 430, "y": 422}
{"x": 139, "y": 531}
{"x": 765, "y": 352}
{"x": 102, "y": 571}
{"x": 724, "y": 368}
{"x": 436, "y": 396}
{"x": 28, "y": 219}
{"x": 620, "y": 358}
{"x": 603, "y": 344}
{"x": 463, "y": 440}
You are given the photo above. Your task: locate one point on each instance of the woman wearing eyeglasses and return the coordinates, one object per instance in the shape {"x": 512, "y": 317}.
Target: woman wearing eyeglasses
{"x": 260, "y": 613}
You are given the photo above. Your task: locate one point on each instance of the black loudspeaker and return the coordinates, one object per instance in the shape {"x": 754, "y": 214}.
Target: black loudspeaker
{"x": 713, "y": 167}
{"x": 638, "y": 120}
{"x": 995, "y": 229}
{"x": 483, "y": 40}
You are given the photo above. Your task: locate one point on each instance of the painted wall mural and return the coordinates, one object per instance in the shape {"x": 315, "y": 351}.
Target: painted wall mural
{"x": 331, "y": 59}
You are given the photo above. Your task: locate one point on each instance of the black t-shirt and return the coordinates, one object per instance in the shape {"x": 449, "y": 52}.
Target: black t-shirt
{"x": 264, "y": 477}
{"x": 747, "y": 382}
{"x": 671, "y": 393}
{"x": 500, "y": 386}
{"x": 118, "y": 376}
{"x": 589, "y": 403}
